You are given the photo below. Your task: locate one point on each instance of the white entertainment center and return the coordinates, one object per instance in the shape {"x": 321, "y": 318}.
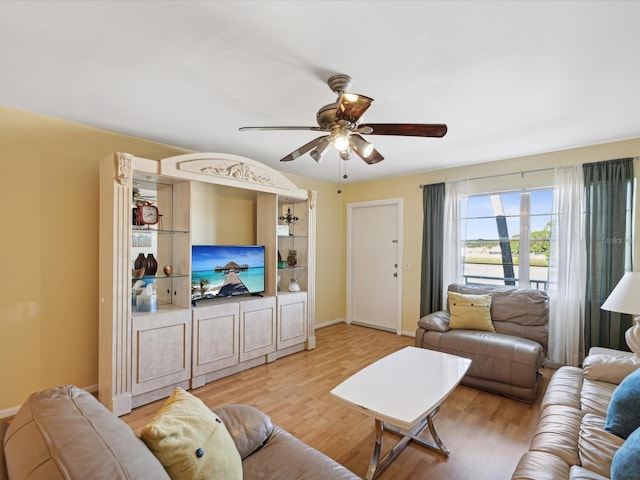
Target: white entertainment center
{"x": 144, "y": 355}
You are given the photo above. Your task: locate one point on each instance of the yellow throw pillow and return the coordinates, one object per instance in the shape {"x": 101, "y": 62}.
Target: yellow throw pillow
{"x": 191, "y": 441}
{"x": 471, "y": 312}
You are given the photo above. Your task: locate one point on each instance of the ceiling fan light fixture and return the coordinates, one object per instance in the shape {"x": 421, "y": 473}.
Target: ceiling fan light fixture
{"x": 362, "y": 147}
{"x": 346, "y": 155}
{"x": 320, "y": 151}
{"x": 352, "y": 106}
{"x": 341, "y": 141}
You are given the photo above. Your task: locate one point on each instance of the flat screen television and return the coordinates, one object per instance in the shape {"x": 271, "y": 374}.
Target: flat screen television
{"x": 226, "y": 270}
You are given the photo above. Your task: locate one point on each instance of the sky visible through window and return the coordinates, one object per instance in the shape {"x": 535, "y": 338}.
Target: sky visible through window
{"x": 481, "y": 222}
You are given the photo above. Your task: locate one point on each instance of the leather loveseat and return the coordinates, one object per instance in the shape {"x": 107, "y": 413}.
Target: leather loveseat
{"x": 570, "y": 441}
{"x": 65, "y": 433}
{"x": 505, "y": 361}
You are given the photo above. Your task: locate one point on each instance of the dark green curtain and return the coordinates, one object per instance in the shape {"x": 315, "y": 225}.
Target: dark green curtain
{"x": 432, "y": 248}
{"x": 608, "y": 213}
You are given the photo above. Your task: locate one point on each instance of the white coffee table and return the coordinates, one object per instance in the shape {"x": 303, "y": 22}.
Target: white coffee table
{"x": 403, "y": 392}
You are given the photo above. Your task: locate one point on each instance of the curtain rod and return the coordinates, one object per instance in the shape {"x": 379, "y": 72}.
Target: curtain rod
{"x": 422, "y": 185}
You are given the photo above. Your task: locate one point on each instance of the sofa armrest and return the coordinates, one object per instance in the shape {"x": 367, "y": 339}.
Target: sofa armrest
{"x": 436, "y": 321}
{"x": 249, "y": 427}
{"x": 609, "y": 368}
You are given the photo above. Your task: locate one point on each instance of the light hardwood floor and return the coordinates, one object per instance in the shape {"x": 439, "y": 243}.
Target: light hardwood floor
{"x": 486, "y": 433}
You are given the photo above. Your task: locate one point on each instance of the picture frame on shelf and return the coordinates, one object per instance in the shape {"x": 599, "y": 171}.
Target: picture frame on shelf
{"x": 141, "y": 239}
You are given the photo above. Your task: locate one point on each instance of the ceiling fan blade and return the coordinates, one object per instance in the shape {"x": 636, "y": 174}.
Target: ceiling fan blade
{"x": 304, "y": 149}
{"x": 315, "y": 129}
{"x": 407, "y": 129}
{"x": 352, "y": 106}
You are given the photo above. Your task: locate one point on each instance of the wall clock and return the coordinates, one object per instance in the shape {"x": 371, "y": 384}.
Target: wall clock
{"x": 145, "y": 215}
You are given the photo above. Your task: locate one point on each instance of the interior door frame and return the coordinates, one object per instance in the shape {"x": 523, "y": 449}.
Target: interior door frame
{"x": 398, "y": 203}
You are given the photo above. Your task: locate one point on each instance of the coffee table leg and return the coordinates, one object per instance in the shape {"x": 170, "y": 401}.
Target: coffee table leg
{"x": 376, "y": 466}
{"x": 375, "y": 456}
{"x": 414, "y": 434}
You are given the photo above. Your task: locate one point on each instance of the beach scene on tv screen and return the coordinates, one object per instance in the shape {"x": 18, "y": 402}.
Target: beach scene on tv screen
{"x": 225, "y": 271}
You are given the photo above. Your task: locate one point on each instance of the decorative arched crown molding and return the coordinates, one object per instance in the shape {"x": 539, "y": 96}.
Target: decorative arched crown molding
{"x": 231, "y": 170}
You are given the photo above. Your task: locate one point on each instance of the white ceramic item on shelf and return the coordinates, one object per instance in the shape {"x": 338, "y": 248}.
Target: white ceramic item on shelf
{"x": 294, "y": 286}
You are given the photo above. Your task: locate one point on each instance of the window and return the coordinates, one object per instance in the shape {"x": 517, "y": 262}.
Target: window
{"x": 497, "y": 228}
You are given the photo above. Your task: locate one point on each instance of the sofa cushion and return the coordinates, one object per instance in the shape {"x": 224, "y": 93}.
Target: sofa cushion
{"x": 436, "y": 321}
{"x": 609, "y": 368}
{"x": 580, "y": 473}
{"x": 596, "y": 445}
{"x": 191, "y": 441}
{"x": 471, "y": 312}
{"x": 286, "y": 457}
{"x": 503, "y": 358}
{"x": 557, "y": 433}
{"x": 64, "y": 430}
{"x": 626, "y": 461}
{"x": 623, "y": 414}
{"x": 540, "y": 466}
{"x": 595, "y": 396}
{"x": 564, "y": 388}
{"x": 249, "y": 427}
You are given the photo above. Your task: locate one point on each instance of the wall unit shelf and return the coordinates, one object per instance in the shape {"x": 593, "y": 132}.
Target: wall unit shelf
{"x": 145, "y": 354}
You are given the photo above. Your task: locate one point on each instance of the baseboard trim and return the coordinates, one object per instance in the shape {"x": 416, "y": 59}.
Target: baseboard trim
{"x": 344, "y": 320}
{"x": 10, "y": 412}
{"x": 330, "y": 322}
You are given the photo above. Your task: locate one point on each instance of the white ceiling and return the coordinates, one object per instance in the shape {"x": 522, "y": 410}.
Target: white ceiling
{"x": 508, "y": 78}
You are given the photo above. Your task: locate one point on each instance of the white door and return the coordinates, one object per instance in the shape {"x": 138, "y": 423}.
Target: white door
{"x": 374, "y": 270}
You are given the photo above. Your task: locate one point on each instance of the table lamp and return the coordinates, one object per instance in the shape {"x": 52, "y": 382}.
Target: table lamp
{"x": 625, "y": 298}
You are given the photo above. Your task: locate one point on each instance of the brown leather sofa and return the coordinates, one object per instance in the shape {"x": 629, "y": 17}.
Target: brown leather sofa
{"x": 505, "y": 361}
{"x": 570, "y": 441}
{"x": 65, "y": 433}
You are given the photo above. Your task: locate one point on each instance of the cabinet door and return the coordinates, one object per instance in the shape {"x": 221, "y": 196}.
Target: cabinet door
{"x": 161, "y": 350}
{"x": 215, "y": 337}
{"x": 292, "y": 319}
{"x": 257, "y": 328}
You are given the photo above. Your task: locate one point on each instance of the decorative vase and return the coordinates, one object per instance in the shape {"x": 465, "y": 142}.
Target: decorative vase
{"x": 139, "y": 262}
{"x": 292, "y": 258}
{"x": 138, "y": 273}
{"x": 168, "y": 270}
{"x": 150, "y": 265}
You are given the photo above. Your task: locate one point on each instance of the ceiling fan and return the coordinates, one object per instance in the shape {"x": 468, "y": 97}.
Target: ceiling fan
{"x": 340, "y": 120}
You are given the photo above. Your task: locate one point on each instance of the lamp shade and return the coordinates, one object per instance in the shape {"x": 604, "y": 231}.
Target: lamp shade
{"x": 625, "y": 297}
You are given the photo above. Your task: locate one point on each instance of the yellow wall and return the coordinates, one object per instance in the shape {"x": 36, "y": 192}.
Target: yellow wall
{"x": 407, "y": 187}
{"x": 49, "y": 247}
{"x": 330, "y": 250}
{"x": 222, "y": 215}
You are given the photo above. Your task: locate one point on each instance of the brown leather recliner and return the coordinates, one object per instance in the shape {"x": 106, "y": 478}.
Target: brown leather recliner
{"x": 505, "y": 361}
